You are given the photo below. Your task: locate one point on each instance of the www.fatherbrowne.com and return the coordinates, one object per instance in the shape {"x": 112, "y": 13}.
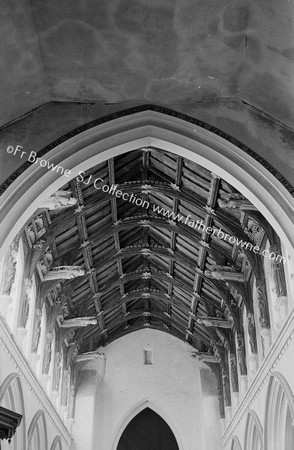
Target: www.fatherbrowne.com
{"x": 219, "y": 233}
{"x": 112, "y": 190}
{"x": 170, "y": 215}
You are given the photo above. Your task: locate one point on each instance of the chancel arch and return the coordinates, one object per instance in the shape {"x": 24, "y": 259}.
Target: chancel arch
{"x": 135, "y": 274}
{"x": 143, "y": 129}
{"x": 279, "y": 420}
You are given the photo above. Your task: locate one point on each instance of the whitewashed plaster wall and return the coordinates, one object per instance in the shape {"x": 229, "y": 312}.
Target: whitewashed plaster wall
{"x": 34, "y": 400}
{"x": 171, "y": 386}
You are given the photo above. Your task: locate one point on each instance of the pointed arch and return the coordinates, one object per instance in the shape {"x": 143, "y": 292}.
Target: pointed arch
{"x": 56, "y": 444}
{"x": 279, "y": 428}
{"x": 11, "y": 397}
{"x": 135, "y": 410}
{"x": 236, "y": 444}
{"x": 37, "y": 432}
{"x": 150, "y": 126}
{"x": 253, "y": 432}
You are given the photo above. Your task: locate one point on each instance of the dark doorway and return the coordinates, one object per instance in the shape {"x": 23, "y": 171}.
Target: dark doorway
{"x": 147, "y": 431}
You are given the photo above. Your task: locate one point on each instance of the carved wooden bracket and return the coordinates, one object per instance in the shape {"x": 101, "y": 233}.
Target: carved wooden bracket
{"x": 9, "y": 421}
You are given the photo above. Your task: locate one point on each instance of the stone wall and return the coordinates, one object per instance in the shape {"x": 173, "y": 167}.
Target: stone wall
{"x": 171, "y": 386}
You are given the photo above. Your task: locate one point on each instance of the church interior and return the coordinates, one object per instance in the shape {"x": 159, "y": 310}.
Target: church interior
{"x": 147, "y": 225}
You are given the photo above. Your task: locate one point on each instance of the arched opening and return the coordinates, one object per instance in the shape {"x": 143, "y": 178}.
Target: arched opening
{"x": 129, "y": 130}
{"x": 156, "y": 268}
{"x": 279, "y": 428}
{"x": 147, "y": 430}
{"x": 253, "y": 433}
{"x": 56, "y": 444}
{"x": 37, "y": 432}
{"x": 236, "y": 444}
{"x": 11, "y": 397}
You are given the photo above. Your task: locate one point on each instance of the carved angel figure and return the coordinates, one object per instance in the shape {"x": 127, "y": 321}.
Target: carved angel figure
{"x": 213, "y": 322}
{"x": 236, "y": 200}
{"x": 59, "y": 200}
{"x": 78, "y": 322}
{"x": 225, "y": 273}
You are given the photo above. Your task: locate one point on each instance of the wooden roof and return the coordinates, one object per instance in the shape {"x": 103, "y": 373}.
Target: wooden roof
{"x": 143, "y": 268}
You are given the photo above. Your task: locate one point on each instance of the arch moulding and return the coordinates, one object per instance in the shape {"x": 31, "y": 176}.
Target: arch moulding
{"x": 236, "y": 444}
{"x": 251, "y": 422}
{"x": 22, "y": 197}
{"x": 279, "y": 396}
{"x": 134, "y": 411}
{"x": 13, "y": 380}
